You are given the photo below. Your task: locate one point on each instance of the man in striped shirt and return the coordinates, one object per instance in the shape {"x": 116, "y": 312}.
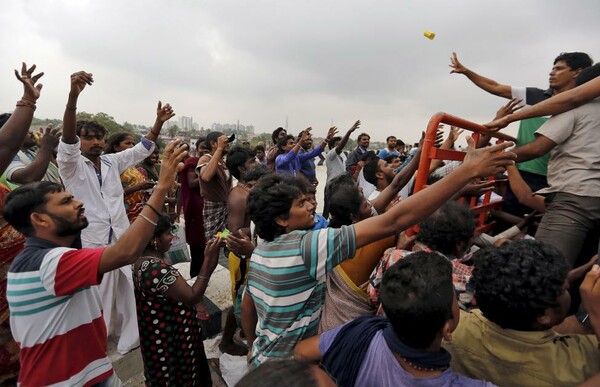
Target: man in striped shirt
{"x": 287, "y": 276}
{"x": 55, "y": 307}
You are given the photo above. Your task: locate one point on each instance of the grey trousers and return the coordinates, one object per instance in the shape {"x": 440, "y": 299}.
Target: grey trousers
{"x": 568, "y": 221}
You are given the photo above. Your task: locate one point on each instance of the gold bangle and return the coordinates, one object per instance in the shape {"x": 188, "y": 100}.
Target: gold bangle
{"x": 71, "y": 108}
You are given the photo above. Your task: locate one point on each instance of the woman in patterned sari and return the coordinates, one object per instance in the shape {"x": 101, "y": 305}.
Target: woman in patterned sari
{"x": 135, "y": 185}
{"x": 170, "y": 336}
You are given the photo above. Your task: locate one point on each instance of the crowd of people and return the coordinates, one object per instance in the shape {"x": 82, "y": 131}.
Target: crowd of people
{"x": 353, "y": 296}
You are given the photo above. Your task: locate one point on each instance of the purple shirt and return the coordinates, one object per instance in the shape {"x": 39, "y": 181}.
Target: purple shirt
{"x": 381, "y": 368}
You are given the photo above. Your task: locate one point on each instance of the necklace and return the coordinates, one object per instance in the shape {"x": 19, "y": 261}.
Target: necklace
{"x": 427, "y": 369}
{"x": 243, "y": 186}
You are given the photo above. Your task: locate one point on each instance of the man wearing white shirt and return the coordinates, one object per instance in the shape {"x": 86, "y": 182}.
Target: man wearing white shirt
{"x": 95, "y": 178}
{"x": 335, "y": 162}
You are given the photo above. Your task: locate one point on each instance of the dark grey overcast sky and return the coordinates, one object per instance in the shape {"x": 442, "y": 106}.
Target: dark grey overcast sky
{"x": 314, "y": 61}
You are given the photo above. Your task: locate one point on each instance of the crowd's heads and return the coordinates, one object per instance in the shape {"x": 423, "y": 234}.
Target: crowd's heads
{"x": 378, "y": 172}
{"x": 448, "y": 230}
{"x": 334, "y": 142}
{"x": 347, "y": 206}
{"x": 154, "y": 156}
{"x": 3, "y": 118}
{"x": 306, "y": 145}
{"x": 286, "y": 143}
{"x": 33, "y": 201}
{"x": 277, "y": 134}
{"x": 588, "y": 74}
{"x": 163, "y": 234}
{"x": 270, "y": 204}
{"x": 92, "y": 136}
{"x": 90, "y": 127}
{"x": 239, "y": 160}
{"x": 259, "y": 150}
{"x": 201, "y": 148}
{"x": 575, "y": 60}
{"x": 393, "y": 160}
{"x": 118, "y": 142}
{"x": 521, "y": 285}
{"x": 417, "y": 295}
{"x": 291, "y": 373}
{"x": 254, "y": 174}
{"x": 391, "y": 142}
{"x": 400, "y": 146}
{"x": 363, "y": 140}
{"x": 212, "y": 140}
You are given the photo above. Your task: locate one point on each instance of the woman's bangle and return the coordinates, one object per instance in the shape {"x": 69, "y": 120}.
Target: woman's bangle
{"x": 156, "y": 134}
{"x": 203, "y": 277}
{"x": 147, "y": 219}
{"x": 153, "y": 209}
{"x": 26, "y": 103}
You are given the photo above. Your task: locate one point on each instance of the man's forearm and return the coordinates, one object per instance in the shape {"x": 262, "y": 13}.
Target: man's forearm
{"x": 489, "y": 85}
{"x": 35, "y": 171}
{"x": 69, "y": 135}
{"x": 13, "y": 133}
{"x": 208, "y": 172}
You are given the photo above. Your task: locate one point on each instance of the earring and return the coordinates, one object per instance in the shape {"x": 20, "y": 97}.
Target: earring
{"x": 154, "y": 245}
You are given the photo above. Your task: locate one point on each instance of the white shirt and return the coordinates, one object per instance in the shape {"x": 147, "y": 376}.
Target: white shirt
{"x": 104, "y": 206}
{"x": 335, "y": 163}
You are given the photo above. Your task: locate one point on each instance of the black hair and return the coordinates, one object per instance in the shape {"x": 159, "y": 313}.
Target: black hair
{"x": 417, "y": 296}
{"x": 515, "y": 283}
{"x": 368, "y": 155}
{"x": 259, "y": 148}
{"x": 256, "y": 173}
{"x": 390, "y": 158}
{"x": 451, "y": 224}
{"x": 282, "y": 142}
{"x": 271, "y": 198}
{"x": 3, "y": 118}
{"x": 333, "y": 142}
{"x": 388, "y": 138}
{"x": 236, "y": 158}
{"x": 113, "y": 141}
{"x": 399, "y": 142}
{"x": 360, "y": 136}
{"x": 370, "y": 170}
{"x": 575, "y": 60}
{"x": 338, "y": 181}
{"x": 24, "y": 201}
{"x": 588, "y": 74}
{"x": 275, "y": 134}
{"x": 90, "y": 126}
{"x": 288, "y": 372}
{"x": 163, "y": 224}
{"x": 344, "y": 201}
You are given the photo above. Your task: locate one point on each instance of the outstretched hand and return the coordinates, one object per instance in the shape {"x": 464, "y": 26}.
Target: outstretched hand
{"x": 164, "y": 113}
{"x": 331, "y": 132}
{"x": 50, "y": 138}
{"x": 305, "y": 135}
{"x": 489, "y": 160}
{"x": 498, "y": 124}
{"x": 79, "y": 81}
{"x": 173, "y": 155}
{"x": 31, "y": 91}
{"x": 211, "y": 255}
{"x": 240, "y": 244}
{"x": 355, "y": 126}
{"x": 457, "y": 67}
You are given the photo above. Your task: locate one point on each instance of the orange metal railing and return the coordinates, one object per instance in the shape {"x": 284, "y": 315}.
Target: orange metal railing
{"x": 430, "y": 152}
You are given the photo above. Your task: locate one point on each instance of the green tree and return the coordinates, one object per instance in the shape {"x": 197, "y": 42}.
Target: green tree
{"x": 173, "y": 130}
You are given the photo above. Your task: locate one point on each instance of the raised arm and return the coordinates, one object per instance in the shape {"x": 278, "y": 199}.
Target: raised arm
{"x": 163, "y": 114}
{"x": 13, "y": 132}
{"x": 181, "y": 291}
{"x": 36, "y": 170}
{"x": 480, "y": 81}
{"x": 559, "y": 103}
{"x": 332, "y": 131}
{"x": 79, "y": 81}
{"x": 537, "y": 148}
{"x": 133, "y": 242}
{"x": 523, "y": 192}
{"x": 400, "y": 180}
{"x": 209, "y": 170}
{"x": 478, "y": 162}
{"x": 342, "y": 144}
